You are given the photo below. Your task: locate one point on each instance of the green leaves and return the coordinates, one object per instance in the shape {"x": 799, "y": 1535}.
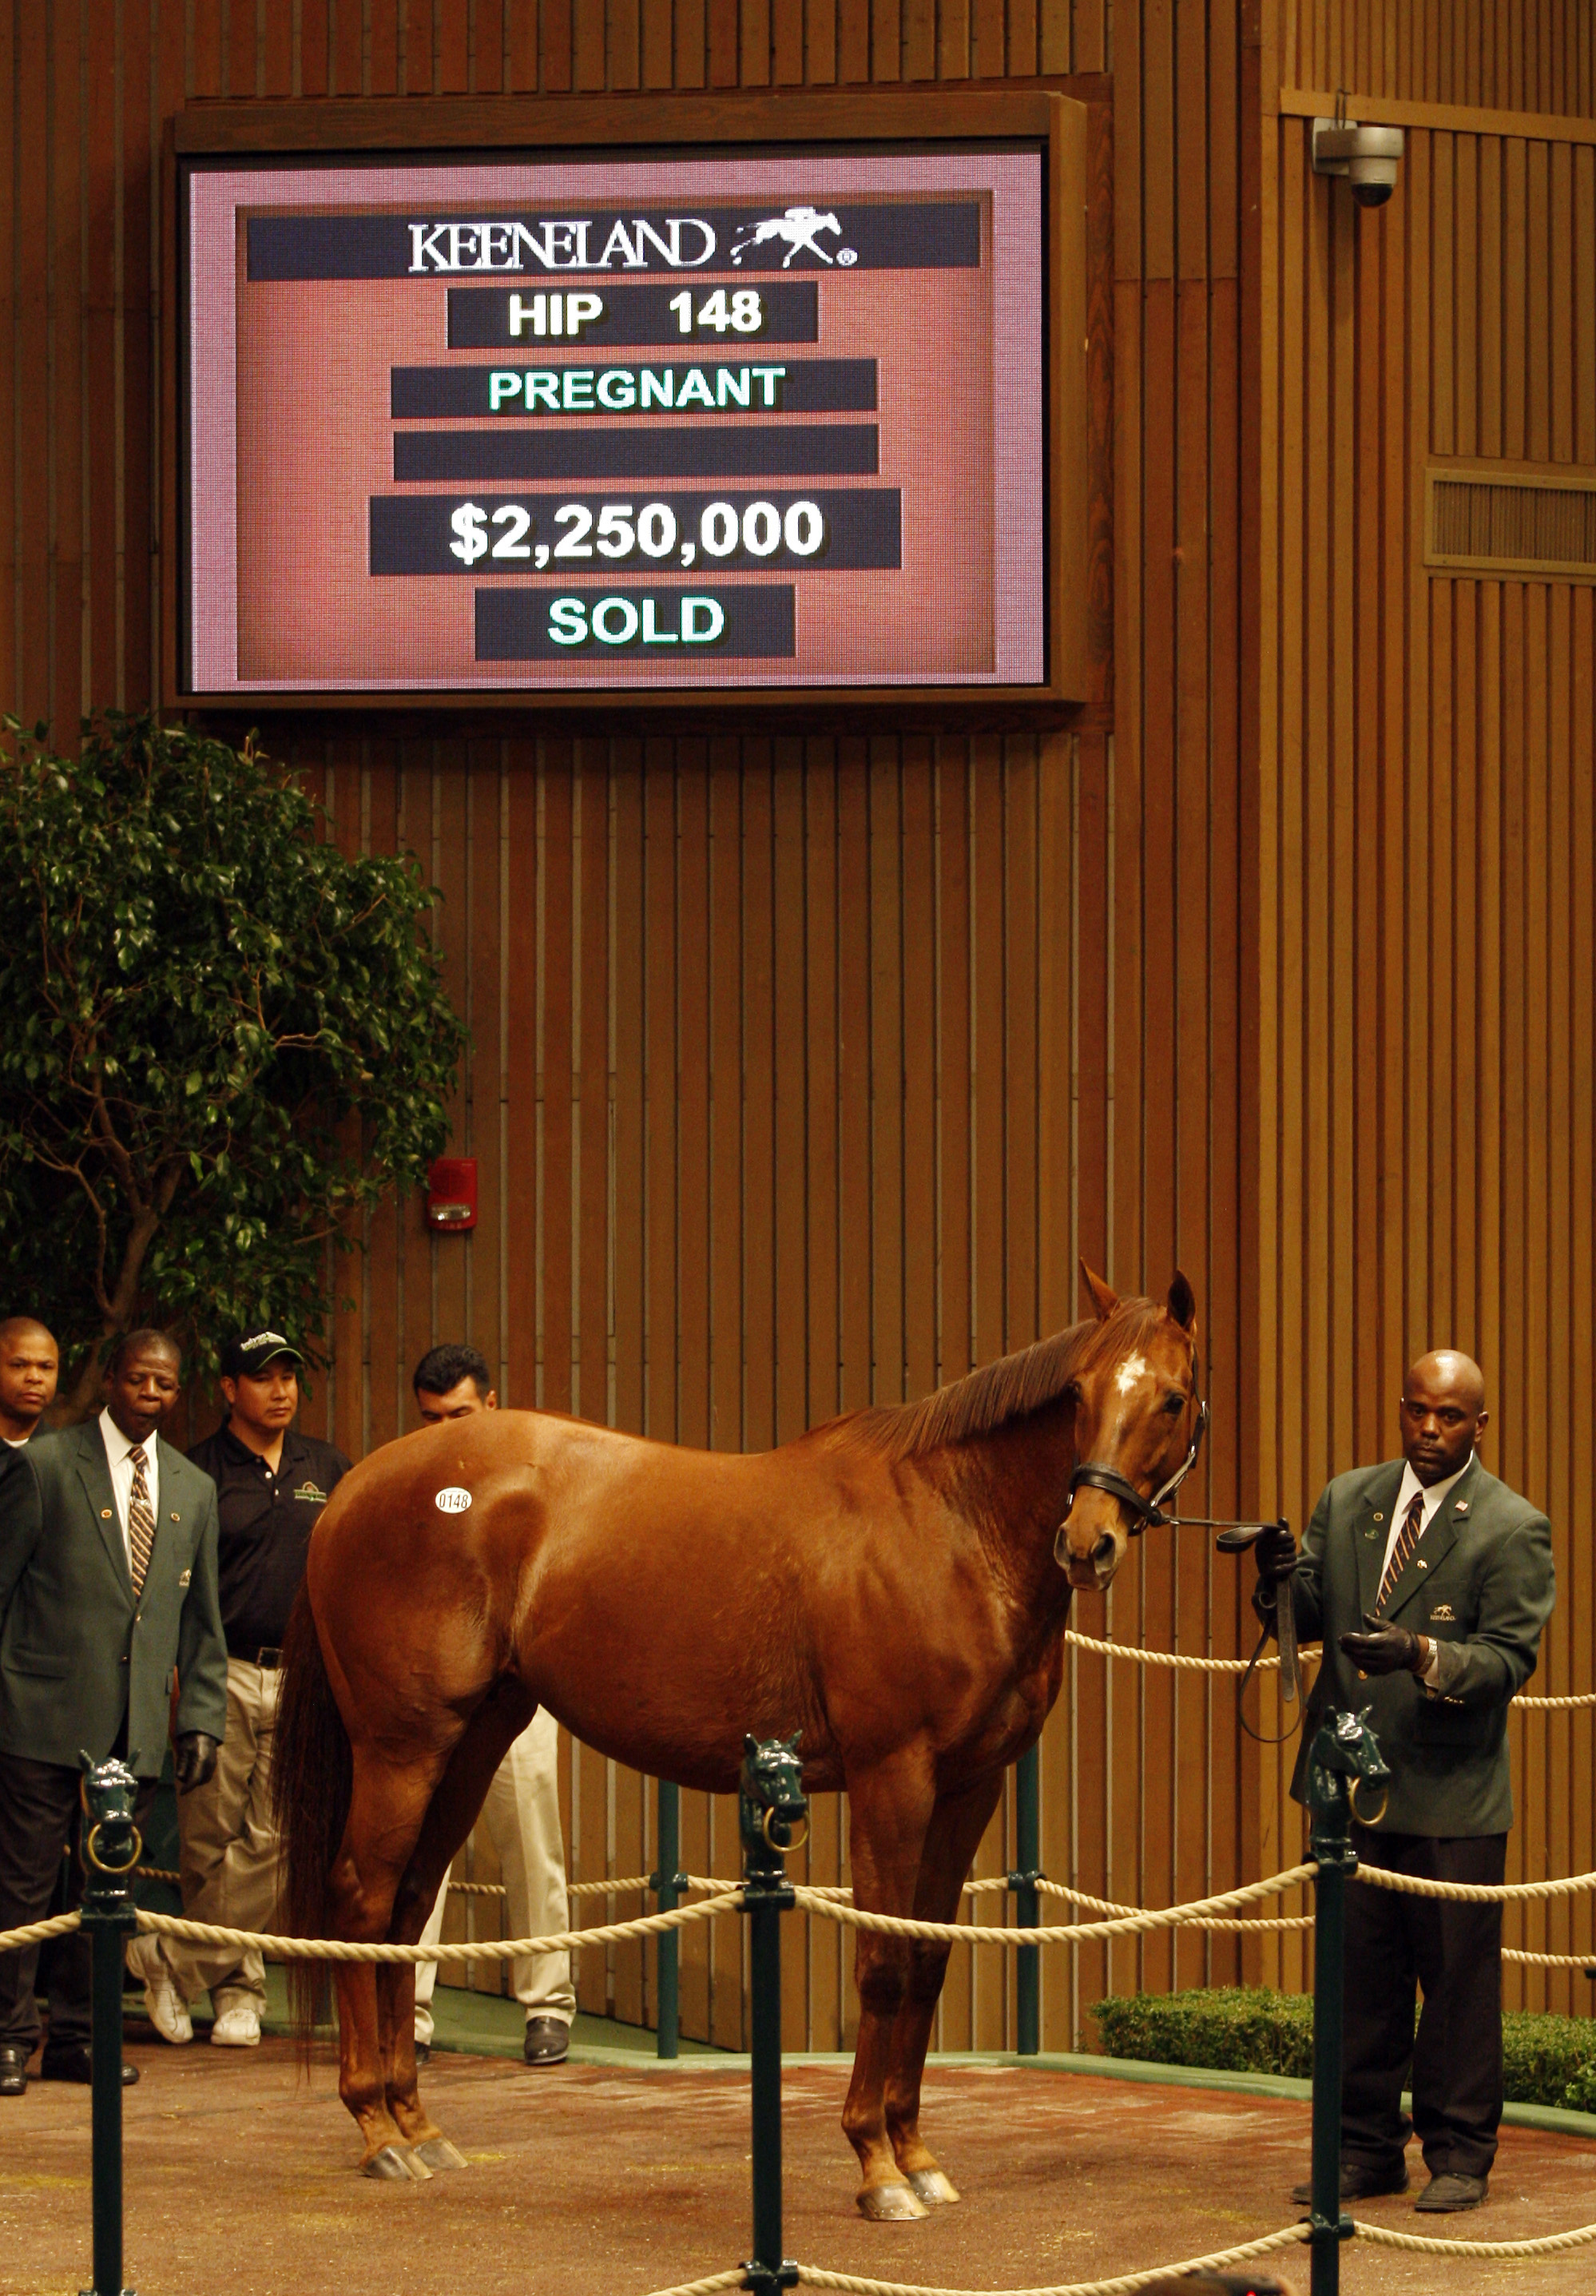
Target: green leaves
{"x": 222, "y": 1040}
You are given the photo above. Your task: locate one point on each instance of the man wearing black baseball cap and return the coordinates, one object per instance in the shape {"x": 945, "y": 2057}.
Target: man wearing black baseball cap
{"x": 271, "y": 1483}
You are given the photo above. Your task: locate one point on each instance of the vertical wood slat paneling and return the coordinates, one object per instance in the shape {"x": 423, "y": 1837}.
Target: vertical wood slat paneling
{"x": 1463, "y": 934}
{"x": 1501, "y": 55}
{"x": 973, "y": 961}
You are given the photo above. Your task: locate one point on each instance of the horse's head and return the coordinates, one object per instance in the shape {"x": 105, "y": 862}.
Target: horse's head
{"x": 1138, "y": 1422}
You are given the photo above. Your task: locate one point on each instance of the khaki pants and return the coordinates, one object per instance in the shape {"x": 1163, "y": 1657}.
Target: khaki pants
{"x": 229, "y": 1849}
{"x": 522, "y": 1811}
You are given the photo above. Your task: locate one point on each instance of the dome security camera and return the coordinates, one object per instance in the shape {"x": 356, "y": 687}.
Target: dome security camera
{"x": 1368, "y": 157}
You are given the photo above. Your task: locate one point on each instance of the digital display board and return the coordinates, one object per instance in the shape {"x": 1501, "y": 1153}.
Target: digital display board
{"x": 573, "y": 423}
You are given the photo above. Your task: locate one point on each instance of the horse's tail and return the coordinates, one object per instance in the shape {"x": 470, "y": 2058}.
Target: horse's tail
{"x": 310, "y": 1799}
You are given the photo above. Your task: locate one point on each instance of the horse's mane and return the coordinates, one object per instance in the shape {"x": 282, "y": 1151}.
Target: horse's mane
{"x": 1011, "y": 1388}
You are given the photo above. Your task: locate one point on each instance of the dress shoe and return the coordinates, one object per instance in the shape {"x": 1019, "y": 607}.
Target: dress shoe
{"x": 548, "y": 2041}
{"x": 1359, "y": 2182}
{"x": 13, "y": 2068}
{"x": 75, "y": 2062}
{"x": 1450, "y": 2191}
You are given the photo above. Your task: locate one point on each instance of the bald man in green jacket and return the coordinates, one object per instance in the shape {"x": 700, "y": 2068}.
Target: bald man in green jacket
{"x": 108, "y": 1601}
{"x": 1430, "y": 1582}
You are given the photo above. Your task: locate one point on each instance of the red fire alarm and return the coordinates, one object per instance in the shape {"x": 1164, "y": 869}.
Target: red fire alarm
{"x": 452, "y": 1193}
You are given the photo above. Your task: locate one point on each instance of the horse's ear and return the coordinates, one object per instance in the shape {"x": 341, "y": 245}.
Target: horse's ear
{"x": 1103, "y": 1301}
{"x": 1182, "y": 1302}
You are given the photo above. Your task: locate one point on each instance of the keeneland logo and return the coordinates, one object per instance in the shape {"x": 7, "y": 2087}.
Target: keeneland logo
{"x": 563, "y": 243}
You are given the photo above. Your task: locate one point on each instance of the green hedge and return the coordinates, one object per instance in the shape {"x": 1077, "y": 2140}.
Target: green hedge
{"x": 1245, "y": 2029}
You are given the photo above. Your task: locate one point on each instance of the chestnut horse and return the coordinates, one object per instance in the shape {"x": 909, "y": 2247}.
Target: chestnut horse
{"x": 894, "y": 1584}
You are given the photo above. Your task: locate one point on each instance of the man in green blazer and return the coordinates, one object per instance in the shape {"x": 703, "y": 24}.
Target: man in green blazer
{"x": 1430, "y": 1582}
{"x": 108, "y": 1602}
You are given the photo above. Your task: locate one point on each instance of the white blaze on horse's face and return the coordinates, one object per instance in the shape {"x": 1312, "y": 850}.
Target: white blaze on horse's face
{"x": 1095, "y": 1537}
{"x": 1123, "y": 1422}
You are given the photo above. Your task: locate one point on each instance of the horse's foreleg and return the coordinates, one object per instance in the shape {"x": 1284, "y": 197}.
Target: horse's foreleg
{"x": 952, "y": 1839}
{"x": 889, "y": 1808}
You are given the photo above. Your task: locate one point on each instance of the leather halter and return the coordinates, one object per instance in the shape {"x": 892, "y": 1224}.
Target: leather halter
{"x": 1146, "y": 1514}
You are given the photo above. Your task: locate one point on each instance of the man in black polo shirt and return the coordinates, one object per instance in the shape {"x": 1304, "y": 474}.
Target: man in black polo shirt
{"x": 271, "y": 1483}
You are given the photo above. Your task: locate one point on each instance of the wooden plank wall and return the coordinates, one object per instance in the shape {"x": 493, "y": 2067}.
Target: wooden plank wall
{"x": 1427, "y": 915}
{"x": 1505, "y": 56}
{"x": 805, "y": 1070}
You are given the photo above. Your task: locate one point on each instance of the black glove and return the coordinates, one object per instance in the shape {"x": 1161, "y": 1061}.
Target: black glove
{"x": 195, "y": 1761}
{"x": 1385, "y": 1649}
{"x": 1275, "y": 1553}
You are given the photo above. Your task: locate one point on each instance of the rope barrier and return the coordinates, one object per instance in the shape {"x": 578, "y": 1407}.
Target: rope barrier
{"x": 853, "y": 2284}
{"x": 1585, "y": 1961}
{"x": 736, "y": 2279}
{"x": 841, "y": 1896}
{"x": 35, "y": 1932}
{"x": 973, "y": 1934}
{"x": 1060, "y": 1890}
{"x": 1178, "y": 1659}
{"x": 1111, "y": 1905}
{"x": 619, "y": 1888}
{"x": 1551, "y": 2245}
{"x": 1481, "y": 1893}
{"x": 290, "y": 1948}
{"x": 1185, "y": 1664}
{"x": 811, "y": 2275}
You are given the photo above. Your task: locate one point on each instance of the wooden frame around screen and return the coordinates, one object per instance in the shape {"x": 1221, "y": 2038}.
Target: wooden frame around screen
{"x": 479, "y": 125}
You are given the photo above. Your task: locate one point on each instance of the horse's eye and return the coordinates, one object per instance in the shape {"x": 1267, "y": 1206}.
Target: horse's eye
{"x": 1175, "y": 1405}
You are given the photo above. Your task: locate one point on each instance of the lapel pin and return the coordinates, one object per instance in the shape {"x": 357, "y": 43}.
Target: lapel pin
{"x": 1461, "y": 1507}
{"x": 1379, "y": 1518}
{"x": 176, "y": 1518}
{"x": 105, "y": 1514}
{"x": 1423, "y": 1565}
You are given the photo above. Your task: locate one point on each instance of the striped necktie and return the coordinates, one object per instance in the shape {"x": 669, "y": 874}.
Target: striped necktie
{"x": 140, "y": 1521}
{"x": 1407, "y": 1539}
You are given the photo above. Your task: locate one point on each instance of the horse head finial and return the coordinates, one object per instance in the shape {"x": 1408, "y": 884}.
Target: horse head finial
{"x": 1344, "y": 1756}
{"x": 772, "y": 1805}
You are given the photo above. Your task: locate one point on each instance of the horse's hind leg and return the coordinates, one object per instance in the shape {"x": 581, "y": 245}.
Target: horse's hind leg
{"x": 952, "y": 1839}
{"x": 386, "y": 1810}
{"x": 451, "y": 1814}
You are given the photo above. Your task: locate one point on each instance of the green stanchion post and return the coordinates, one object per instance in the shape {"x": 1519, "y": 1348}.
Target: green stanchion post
{"x": 1027, "y": 1904}
{"x": 770, "y": 1807}
{"x": 667, "y": 1885}
{"x": 1344, "y": 1755}
{"x": 111, "y": 1848}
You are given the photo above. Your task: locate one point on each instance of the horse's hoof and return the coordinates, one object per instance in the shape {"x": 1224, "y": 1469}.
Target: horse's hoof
{"x": 390, "y": 2166}
{"x": 438, "y": 2153}
{"x": 891, "y": 2204}
{"x": 931, "y": 2186}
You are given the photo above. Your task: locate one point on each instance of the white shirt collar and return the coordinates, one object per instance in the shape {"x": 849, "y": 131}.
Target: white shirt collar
{"x": 119, "y": 1447}
{"x": 1434, "y": 1494}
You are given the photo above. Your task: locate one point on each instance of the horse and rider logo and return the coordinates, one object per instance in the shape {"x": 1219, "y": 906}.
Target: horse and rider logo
{"x": 800, "y": 228}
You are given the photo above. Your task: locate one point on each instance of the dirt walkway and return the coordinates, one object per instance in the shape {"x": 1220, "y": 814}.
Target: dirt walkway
{"x": 241, "y": 2183}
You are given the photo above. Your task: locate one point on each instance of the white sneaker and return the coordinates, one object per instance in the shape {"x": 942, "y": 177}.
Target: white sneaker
{"x": 236, "y": 2028}
{"x": 164, "y": 2005}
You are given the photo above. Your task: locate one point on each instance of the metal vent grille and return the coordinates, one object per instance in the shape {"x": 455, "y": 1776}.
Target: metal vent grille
{"x": 1489, "y": 523}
